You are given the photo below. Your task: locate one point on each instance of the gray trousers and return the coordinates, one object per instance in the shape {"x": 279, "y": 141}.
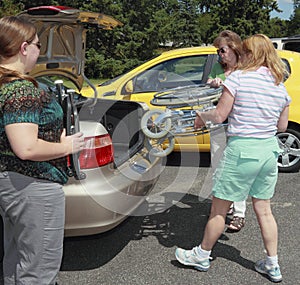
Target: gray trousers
{"x": 33, "y": 213}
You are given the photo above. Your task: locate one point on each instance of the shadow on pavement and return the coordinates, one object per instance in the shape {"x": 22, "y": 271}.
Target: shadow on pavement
{"x": 86, "y": 253}
{"x": 81, "y": 253}
{"x": 201, "y": 159}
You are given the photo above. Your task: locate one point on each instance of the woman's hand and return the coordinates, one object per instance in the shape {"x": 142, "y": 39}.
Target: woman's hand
{"x": 199, "y": 123}
{"x": 73, "y": 143}
{"x": 216, "y": 82}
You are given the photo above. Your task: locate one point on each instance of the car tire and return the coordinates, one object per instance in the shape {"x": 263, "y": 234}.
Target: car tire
{"x": 289, "y": 160}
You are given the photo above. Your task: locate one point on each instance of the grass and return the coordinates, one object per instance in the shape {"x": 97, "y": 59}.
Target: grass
{"x": 94, "y": 81}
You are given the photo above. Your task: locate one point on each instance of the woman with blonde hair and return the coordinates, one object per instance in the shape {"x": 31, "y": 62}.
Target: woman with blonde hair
{"x": 257, "y": 105}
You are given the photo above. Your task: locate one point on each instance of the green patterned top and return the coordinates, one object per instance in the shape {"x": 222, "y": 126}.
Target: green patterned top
{"x": 22, "y": 102}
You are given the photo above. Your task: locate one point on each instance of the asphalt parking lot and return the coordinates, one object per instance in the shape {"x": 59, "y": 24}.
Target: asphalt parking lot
{"x": 140, "y": 251}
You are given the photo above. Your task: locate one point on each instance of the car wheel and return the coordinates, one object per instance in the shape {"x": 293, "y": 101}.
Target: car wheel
{"x": 289, "y": 160}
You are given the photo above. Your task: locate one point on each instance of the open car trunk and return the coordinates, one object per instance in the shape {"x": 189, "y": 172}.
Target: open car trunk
{"x": 62, "y": 33}
{"x": 121, "y": 119}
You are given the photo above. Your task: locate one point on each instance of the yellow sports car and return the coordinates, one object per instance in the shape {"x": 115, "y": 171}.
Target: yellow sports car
{"x": 191, "y": 66}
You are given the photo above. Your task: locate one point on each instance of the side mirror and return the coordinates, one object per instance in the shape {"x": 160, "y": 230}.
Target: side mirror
{"x": 162, "y": 76}
{"x": 129, "y": 87}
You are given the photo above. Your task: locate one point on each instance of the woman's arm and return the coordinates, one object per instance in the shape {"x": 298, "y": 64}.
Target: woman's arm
{"x": 219, "y": 114}
{"x": 24, "y": 141}
{"x": 283, "y": 120}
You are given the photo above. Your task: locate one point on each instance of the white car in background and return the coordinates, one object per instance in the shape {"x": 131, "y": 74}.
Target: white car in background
{"x": 288, "y": 43}
{"x": 114, "y": 174}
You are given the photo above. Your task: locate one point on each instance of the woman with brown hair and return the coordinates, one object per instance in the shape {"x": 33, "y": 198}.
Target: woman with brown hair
{"x": 229, "y": 48}
{"x": 33, "y": 150}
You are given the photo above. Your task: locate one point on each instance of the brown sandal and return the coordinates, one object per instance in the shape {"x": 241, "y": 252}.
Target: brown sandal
{"x": 236, "y": 224}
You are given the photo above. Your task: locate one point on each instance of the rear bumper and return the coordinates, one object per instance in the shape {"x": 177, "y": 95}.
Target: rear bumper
{"x": 107, "y": 196}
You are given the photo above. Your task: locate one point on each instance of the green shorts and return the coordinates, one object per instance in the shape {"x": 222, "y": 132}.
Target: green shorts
{"x": 248, "y": 167}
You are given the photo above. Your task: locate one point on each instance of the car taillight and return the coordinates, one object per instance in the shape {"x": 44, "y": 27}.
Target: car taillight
{"x": 98, "y": 151}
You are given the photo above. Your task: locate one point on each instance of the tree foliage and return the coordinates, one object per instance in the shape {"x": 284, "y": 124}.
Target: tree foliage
{"x": 245, "y": 17}
{"x": 150, "y": 25}
{"x": 296, "y": 4}
{"x": 294, "y": 23}
{"x": 10, "y": 7}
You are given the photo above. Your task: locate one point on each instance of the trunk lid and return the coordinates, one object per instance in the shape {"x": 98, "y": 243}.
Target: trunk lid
{"x": 62, "y": 33}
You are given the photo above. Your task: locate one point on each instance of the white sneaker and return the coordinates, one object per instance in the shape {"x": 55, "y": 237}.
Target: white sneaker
{"x": 273, "y": 272}
{"x": 190, "y": 258}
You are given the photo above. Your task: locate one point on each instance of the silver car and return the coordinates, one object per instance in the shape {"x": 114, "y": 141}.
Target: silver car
{"x": 114, "y": 174}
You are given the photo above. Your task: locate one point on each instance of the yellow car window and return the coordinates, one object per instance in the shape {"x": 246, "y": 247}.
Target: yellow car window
{"x": 182, "y": 71}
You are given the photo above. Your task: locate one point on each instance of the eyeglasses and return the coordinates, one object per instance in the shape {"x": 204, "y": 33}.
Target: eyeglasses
{"x": 222, "y": 50}
{"x": 38, "y": 45}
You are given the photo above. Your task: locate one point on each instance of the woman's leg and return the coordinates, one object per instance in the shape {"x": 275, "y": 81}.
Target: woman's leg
{"x": 45, "y": 208}
{"x": 238, "y": 220}
{"x": 216, "y": 223}
{"x": 198, "y": 256}
{"x": 34, "y": 228}
{"x": 268, "y": 225}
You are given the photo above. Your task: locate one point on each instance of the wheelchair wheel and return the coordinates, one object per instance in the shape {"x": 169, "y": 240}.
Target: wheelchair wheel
{"x": 187, "y": 96}
{"x": 160, "y": 147}
{"x": 153, "y": 129}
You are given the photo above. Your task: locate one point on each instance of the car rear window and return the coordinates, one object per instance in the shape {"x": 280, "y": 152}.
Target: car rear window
{"x": 293, "y": 46}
